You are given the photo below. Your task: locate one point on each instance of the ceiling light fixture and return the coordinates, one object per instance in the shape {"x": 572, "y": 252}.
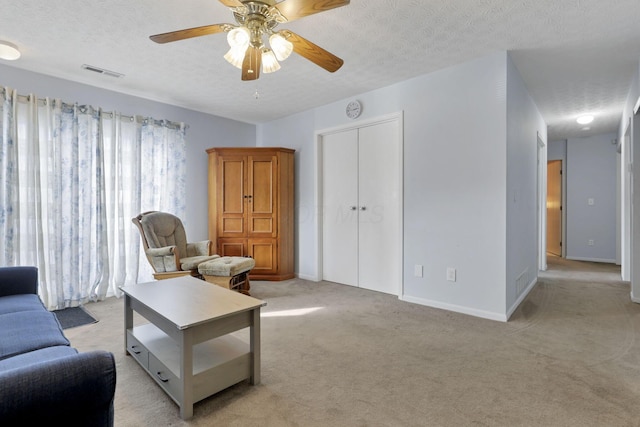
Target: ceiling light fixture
{"x": 255, "y": 45}
{"x": 257, "y": 22}
{"x": 584, "y": 120}
{"x": 9, "y": 51}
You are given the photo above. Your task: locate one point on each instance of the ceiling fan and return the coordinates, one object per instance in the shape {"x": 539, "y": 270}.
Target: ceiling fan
{"x": 256, "y": 21}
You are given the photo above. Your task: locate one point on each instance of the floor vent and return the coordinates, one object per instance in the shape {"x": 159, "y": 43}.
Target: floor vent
{"x": 102, "y": 71}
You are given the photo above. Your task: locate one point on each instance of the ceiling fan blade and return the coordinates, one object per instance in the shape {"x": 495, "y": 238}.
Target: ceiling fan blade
{"x": 252, "y": 64}
{"x": 190, "y": 32}
{"x": 231, "y": 3}
{"x": 296, "y": 9}
{"x": 313, "y": 52}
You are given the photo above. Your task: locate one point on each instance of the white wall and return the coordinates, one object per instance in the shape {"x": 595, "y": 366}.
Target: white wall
{"x": 557, "y": 150}
{"x": 455, "y": 179}
{"x": 204, "y": 130}
{"x": 455, "y": 171}
{"x": 524, "y": 125}
{"x": 591, "y": 174}
{"x": 631, "y": 262}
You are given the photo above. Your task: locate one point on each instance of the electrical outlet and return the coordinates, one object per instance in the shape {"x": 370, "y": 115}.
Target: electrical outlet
{"x": 591, "y": 242}
{"x": 417, "y": 270}
{"x": 451, "y": 274}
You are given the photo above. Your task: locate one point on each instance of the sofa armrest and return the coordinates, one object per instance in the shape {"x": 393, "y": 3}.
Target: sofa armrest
{"x": 80, "y": 388}
{"x": 18, "y": 280}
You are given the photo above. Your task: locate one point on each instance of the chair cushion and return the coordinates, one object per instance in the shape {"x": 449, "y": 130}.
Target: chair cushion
{"x": 192, "y": 262}
{"x": 26, "y": 331}
{"x": 226, "y": 266}
{"x": 164, "y": 229}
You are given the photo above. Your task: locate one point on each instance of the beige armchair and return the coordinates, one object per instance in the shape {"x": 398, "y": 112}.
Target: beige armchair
{"x": 165, "y": 245}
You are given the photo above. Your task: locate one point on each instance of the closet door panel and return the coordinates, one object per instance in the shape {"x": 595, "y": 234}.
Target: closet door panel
{"x": 378, "y": 190}
{"x": 340, "y": 204}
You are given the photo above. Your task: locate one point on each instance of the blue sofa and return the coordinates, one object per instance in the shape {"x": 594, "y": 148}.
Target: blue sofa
{"x": 43, "y": 380}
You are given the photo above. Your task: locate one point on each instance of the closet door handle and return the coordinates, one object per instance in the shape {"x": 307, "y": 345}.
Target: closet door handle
{"x": 363, "y": 208}
{"x": 353, "y": 208}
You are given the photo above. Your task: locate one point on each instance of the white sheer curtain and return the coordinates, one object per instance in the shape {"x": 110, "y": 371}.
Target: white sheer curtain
{"x": 72, "y": 177}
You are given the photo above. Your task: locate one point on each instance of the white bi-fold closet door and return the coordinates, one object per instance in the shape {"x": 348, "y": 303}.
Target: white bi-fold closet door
{"x": 361, "y": 197}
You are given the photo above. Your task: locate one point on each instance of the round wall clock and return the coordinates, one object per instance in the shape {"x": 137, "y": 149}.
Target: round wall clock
{"x": 353, "y": 109}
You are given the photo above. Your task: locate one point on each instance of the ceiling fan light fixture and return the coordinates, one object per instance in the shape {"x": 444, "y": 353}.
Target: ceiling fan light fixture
{"x": 235, "y": 56}
{"x": 9, "y": 51}
{"x": 281, "y": 47}
{"x": 239, "y": 37}
{"x": 269, "y": 61}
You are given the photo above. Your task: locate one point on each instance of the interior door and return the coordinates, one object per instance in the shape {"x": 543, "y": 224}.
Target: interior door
{"x": 554, "y": 207}
{"x": 379, "y": 212}
{"x": 361, "y": 198}
{"x": 340, "y": 204}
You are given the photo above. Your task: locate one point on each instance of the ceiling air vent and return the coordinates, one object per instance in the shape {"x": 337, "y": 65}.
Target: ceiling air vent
{"x": 102, "y": 71}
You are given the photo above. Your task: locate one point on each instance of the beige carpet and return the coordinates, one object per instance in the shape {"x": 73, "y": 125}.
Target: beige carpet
{"x": 570, "y": 356}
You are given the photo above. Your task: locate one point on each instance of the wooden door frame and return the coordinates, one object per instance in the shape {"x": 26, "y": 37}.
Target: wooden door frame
{"x": 399, "y": 118}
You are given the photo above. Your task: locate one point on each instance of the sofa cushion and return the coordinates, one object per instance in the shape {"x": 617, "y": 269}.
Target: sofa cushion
{"x": 26, "y": 331}
{"x": 36, "y": 356}
{"x": 23, "y": 302}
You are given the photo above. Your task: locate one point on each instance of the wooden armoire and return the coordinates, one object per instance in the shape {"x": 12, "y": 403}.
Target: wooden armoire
{"x": 251, "y": 207}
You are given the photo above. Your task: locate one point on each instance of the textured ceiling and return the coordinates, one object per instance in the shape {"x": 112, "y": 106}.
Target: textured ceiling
{"x": 575, "y": 55}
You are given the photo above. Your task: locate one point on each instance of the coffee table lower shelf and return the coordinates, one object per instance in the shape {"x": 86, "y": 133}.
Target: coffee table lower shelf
{"x": 217, "y": 364}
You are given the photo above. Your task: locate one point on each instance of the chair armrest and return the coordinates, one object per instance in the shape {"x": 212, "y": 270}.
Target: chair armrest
{"x": 164, "y": 251}
{"x": 18, "y": 280}
{"x": 80, "y": 387}
{"x": 202, "y": 248}
{"x": 163, "y": 259}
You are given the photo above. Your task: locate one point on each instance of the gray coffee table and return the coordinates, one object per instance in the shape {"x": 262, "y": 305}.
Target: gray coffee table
{"x": 187, "y": 347}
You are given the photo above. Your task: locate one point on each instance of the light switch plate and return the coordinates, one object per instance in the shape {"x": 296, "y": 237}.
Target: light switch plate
{"x": 417, "y": 270}
{"x": 451, "y": 274}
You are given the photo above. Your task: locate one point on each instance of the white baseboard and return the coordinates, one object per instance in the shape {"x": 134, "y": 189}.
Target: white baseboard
{"x": 307, "y": 277}
{"x": 634, "y": 299}
{"x": 577, "y": 258}
{"x": 455, "y": 308}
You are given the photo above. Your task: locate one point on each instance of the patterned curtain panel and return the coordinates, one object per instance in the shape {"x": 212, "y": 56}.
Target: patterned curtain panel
{"x": 72, "y": 177}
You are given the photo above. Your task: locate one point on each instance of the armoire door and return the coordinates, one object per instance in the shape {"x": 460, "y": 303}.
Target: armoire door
{"x": 262, "y": 184}
{"x": 361, "y": 207}
{"x": 233, "y": 196}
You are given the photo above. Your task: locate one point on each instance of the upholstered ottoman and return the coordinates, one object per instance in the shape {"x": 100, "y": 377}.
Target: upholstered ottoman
{"x": 231, "y": 272}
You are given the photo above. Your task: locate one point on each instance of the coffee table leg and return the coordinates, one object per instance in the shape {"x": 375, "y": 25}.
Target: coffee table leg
{"x": 128, "y": 320}
{"x": 255, "y": 347}
{"x": 186, "y": 374}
